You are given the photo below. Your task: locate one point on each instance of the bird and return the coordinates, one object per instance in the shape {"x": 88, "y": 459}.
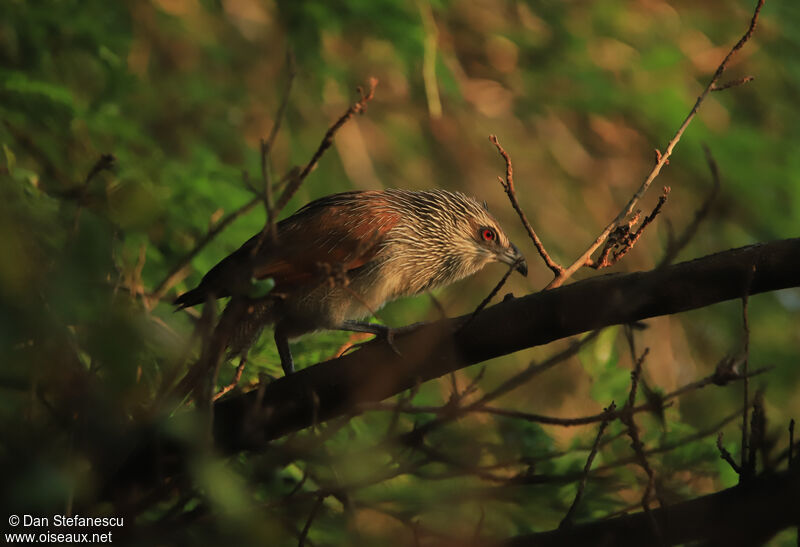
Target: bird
{"x": 340, "y": 258}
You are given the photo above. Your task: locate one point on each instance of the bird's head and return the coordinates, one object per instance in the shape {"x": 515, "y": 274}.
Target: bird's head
{"x": 451, "y": 235}
{"x": 481, "y": 239}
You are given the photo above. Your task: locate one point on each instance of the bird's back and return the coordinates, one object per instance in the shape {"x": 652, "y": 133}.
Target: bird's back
{"x": 330, "y": 236}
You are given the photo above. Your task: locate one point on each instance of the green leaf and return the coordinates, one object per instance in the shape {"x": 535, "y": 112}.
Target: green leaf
{"x": 11, "y": 159}
{"x": 56, "y": 94}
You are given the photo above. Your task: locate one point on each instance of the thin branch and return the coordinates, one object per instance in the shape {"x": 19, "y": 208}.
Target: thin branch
{"x": 508, "y": 186}
{"x": 314, "y": 510}
{"x": 509, "y": 385}
{"x": 438, "y": 305}
{"x": 758, "y": 426}
{"x": 537, "y": 368}
{"x": 638, "y": 445}
{"x": 567, "y": 520}
{"x": 327, "y": 141}
{"x": 606, "y": 415}
{"x": 732, "y": 83}
{"x": 103, "y": 163}
{"x": 677, "y": 245}
{"x": 668, "y": 447}
{"x": 663, "y": 159}
{"x": 622, "y": 239}
{"x": 176, "y": 273}
{"x": 270, "y": 232}
{"x": 448, "y": 411}
{"x": 725, "y": 455}
{"x": 235, "y": 381}
{"x": 492, "y": 294}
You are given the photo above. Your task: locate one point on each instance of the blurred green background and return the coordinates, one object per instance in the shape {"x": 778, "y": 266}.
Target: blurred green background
{"x": 181, "y": 91}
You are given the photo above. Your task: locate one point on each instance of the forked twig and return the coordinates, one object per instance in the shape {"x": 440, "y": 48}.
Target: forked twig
{"x": 508, "y": 186}
{"x": 623, "y": 239}
{"x": 662, "y": 159}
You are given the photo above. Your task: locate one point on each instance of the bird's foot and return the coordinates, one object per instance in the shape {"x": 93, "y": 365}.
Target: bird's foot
{"x": 388, "y": 337}
{"x": 387, "y": 334}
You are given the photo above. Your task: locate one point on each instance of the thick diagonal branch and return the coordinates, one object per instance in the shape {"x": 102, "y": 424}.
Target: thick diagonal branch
{"x": 375, "y": 372}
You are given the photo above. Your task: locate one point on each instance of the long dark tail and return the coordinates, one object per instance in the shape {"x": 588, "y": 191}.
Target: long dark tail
{"x": 191, "y": 298}
{"x": 242, "y": 322}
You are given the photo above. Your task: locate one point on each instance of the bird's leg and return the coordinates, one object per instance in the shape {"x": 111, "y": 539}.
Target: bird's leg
{"x": 282, "y": 343}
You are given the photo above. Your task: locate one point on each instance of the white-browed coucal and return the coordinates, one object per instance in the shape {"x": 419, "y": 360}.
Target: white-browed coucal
{"x": 342, "y": 257}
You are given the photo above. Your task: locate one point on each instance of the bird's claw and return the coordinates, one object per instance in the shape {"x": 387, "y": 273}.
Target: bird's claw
{"x": 390, "y": 333}
{"x": 387, "y": 334}
{"x": 388, "y": 337}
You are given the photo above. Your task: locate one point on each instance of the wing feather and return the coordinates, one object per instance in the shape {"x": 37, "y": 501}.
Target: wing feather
{"x": 344, "y": 231}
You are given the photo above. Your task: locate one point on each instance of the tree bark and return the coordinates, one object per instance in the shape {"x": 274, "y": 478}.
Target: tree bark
{"x": 747, "y": 514}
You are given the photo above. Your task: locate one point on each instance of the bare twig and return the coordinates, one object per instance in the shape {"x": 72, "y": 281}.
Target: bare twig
{"x": 638, "y": 445}
{"x": 269, "y": 232}
{"x": 663, "y": 159}
{"x": 567, "y": 520}
{"x": 725, "y": 455}
{"x": 314, "y": 510}
{"x": 509, "y": 385}
{"x": 103, "y": 163}
{"x": 176, "y": 273}
{"x": 235, "y": 381}
{"x": 438, "y": 305}
{"x": 732, "y": 83}
{"x": 667, "y": 447}
{"x": 485, "y": 302}
{"x": 448, "y": 410}
{"x": 606, "y": 415}
{"x": 536, "y": 368}
{"x": 758, "y": 426}
{"x": 357, "y": 108}
{"x": 622, "y": 239}
{"x": 508, "y": 186}
{"x": 676, "y": 245}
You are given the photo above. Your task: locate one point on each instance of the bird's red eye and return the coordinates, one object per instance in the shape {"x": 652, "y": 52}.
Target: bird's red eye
{"x": 488, "y": 234}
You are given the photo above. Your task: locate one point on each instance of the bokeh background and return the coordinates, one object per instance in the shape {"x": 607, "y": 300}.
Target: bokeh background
{"x": 181, "y": 92}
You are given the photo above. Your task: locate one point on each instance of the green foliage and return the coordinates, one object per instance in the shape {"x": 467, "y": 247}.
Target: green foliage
{"x": 181, "y": 92}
